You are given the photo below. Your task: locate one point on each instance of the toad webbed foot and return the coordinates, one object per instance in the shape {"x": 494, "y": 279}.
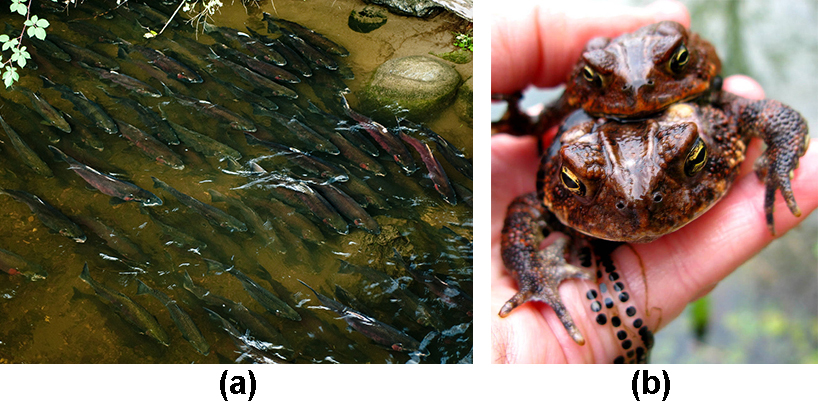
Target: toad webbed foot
{"x": 786, "y": 135}
{"x": 538, "y": 272}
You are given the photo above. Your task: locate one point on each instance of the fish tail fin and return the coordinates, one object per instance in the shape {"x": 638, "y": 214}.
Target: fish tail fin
{"x": 47, "y": 83}
{"x": 187, "y": 281}
{"x": 168, "y": 91}
{"x": 157, "y": 183}
{"x": 85, "y": 275}
{"x": 123, "y": 48}
{"x": 345, "y": 104}
{"x": 59, "y": 154}
{"x": 141, "y": 288}
{"x": 251, "y": 140}
{"x": 308, "y": 287}
{"x": 216, "y": 196}
{"x": 207, "y": 27}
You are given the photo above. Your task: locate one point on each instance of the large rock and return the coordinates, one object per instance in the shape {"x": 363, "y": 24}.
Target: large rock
{"x": 464, "y": 103}
{"x": 421, "y": 84}
{"x": 412, "y": 8}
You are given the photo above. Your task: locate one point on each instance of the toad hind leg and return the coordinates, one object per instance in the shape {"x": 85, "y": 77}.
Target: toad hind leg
{"x": 538, "y": 273}
{"x": 786, "y": 135}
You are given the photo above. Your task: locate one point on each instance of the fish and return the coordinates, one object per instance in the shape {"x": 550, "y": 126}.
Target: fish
{"x": 29, "y": 157}
{"x": 170, "y": 66}
{"x": 266, "y": 298}
{"x": 247, "y": 346}
{"x": 51, "y": 115}
{"x": 150, "y": 146}
{"x": 204, "y": 144}
{"x": 296, "y": 192}
{"x": 186, "y": 326}
{"x": 148, "y": 118}
{"x": 128, "y": 82}
{"x": 215, "y": 216}
{"x": 379, "y": 332}
{"x": 380, "y": 287}
{"x": 452, "y": 154}
{"x": 253, "y": 322}
{"x": 253, "y": 45}
{"x": 106, "y": 183}
{"x": 85, "y": 55}
{"x": 257, "y": 81}
{"x": 92, "y": 31}
{"x": 436, "y": 172}
{"x": 49, "y": 215}
{"x": 311, "y": 164}
{"x": 259, "y": 226}
{"x": 351, "y": 133}
{"x": 309, "y": 53}
{"x": 116, "y": 240}
{"x": 86, "y": 137}
{"x": 88, "y": 108}
{"x": 303, "y": 227}
{"x": 348, "y": 208}
{"x": 363, "y": 193}
{"x": 305, "y": 133}
{"x": 294, "y": 61}
{"x": 265, "y": 69}
{"x": 463, "y": 193}
{"x": 248, "y": 96}
{"x": 219, "y": 112}
{"x": 178, "y": 237}
{"x": 355, "y": 155}
{"x": 385, "y": 139}
{"x": 128, "y": 309}
{"x": 14, "y": 264}
{"x": 448, "y": 293}
{"x": 315, "y": 39}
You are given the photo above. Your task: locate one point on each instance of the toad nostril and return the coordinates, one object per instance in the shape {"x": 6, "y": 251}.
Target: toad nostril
{"x": 657, "y": 197}
{"x": 620, "y": 205}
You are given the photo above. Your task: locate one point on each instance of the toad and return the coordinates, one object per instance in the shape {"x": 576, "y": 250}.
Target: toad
{"x": 633, "y": 167}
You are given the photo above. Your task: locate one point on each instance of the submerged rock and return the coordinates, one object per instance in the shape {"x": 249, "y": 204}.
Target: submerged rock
{"x": 421, "y": 84}
{"x": 367, "y": 20}
{"x": 412, "y": 8}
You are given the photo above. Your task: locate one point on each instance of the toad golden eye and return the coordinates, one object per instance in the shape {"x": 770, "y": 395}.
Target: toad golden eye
{"x": 591, "y": 76}
{"x": 679, "y": 59}
{"x": 696, "y": 158}
{"x": 572, "y": 182}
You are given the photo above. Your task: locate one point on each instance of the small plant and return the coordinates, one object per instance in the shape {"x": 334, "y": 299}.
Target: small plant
{"x": 464, "y": 41}
{"x": 34, "y": 26}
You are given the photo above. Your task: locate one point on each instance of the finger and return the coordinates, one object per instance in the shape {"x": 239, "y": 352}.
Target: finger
{"x": 743, "y": 86}
{"x": 537, "y": 45}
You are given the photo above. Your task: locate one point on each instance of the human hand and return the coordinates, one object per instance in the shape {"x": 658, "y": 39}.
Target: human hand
{"x": 661, "y": 277}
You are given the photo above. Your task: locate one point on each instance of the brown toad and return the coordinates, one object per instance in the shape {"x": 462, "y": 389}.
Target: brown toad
{"x": 634, "y": 75}
{"x": 634, "y": 181}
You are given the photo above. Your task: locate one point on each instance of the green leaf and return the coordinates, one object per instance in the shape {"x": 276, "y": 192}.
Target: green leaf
{"x": 31, "y": 31}
{"x": 4, "y": 38}
{"x": 10, "y": 76}
{"x": 10, "y": 44}
{"x": 19, "y": 8}
{"x": 43, "y": 23}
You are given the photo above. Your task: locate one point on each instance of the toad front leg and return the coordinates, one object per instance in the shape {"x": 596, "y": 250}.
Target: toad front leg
{"x": 538, "y": 273}
{"x": 786, "y": 135}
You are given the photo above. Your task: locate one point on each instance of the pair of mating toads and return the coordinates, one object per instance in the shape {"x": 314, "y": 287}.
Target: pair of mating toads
{"x": 647, "y": 142}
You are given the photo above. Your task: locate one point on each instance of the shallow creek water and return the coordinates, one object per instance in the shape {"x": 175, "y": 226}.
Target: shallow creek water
{"x": 61, "y": 320}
